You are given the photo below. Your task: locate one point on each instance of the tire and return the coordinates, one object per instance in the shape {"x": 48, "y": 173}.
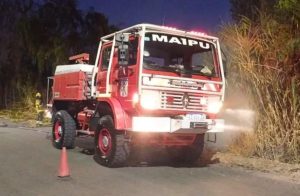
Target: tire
{"x": 53, "y": 114}
{"x": 111, "y": 147}
{"x": 188, "y": 154}
{"x": 52, "y": 118}
{"x": 63, "y": 130}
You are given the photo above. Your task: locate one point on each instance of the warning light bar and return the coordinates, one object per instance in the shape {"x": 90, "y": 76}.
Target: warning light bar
{"x": 170, "y": 28}
{"x": 197, "y": 33}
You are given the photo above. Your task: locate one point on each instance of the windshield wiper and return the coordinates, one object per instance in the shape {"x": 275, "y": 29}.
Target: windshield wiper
{"x": 177, "y": 69}
{"x": 160, "y": 68}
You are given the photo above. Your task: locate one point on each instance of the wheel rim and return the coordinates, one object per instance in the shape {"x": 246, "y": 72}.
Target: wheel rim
{"x": 57, "y": 131}
{"x": 104, "y": 141}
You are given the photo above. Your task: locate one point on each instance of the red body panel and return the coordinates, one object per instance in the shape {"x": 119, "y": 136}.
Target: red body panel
{"x": 69, "y": 86}
{"x": 124, "y": 102}
{"x": 121, "y": 118}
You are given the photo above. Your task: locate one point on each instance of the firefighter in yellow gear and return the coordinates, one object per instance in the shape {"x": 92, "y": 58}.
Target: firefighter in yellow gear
{"x": 39, "y": 109}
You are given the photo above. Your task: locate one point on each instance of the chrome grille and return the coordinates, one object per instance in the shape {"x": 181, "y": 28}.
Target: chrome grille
{"x": 176, "y": 101}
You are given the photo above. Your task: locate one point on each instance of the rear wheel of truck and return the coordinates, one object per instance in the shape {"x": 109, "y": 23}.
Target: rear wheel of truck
{"x": 188, "y": 154}
{"x": 63, "y": 130}
{"x": 111, "y": 147}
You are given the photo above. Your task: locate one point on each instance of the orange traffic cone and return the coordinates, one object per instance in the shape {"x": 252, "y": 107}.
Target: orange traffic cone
{"x": 64, "y": 166}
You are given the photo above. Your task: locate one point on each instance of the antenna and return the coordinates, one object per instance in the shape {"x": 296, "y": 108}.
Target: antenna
{"x": 163, "y": 20}
{"x": 163, "y": 13}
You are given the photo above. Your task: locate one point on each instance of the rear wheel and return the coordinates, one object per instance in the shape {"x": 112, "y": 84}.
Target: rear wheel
{"x": 63, "y": 130}
{"x": 187, "y": 154}
{"x": 111, "y": 147}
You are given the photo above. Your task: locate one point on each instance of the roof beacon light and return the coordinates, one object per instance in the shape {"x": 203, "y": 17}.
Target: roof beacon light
{"x": 170, "y": 28}
{"x": 198, "y": 33}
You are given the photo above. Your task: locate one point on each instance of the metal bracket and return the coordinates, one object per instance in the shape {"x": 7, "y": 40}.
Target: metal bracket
{"x": 209, "y": 139}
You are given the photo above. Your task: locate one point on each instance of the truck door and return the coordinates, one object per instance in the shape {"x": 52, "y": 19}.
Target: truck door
{"x": 103, "y": 68}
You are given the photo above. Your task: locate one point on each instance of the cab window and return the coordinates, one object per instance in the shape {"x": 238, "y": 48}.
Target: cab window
{"x": 105, "y": 58}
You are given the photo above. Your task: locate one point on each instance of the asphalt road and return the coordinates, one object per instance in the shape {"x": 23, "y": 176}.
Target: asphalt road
{"x": 28, "y": 166}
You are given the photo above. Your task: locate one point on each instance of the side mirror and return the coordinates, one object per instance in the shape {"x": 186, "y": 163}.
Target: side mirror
{"x": 224, "y": 62}
{"x": 123, "y": 48}
{"x": 123, "y": 55}
{"x": 121, "y": 37}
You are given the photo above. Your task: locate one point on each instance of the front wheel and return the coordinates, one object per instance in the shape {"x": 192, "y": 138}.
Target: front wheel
{"x": 63, "y": 130}
{"x": 187, "y": 154}
{"x": 111, "y": 147}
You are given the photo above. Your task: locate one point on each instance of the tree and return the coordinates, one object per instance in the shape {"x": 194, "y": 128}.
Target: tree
{"x": 36, "y": 36}
{"x": 250, "y": 8}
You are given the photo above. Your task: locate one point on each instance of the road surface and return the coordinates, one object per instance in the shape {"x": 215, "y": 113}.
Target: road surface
{"x": 28, "y": 166}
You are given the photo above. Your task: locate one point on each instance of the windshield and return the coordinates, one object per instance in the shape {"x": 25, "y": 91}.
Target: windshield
{"x": 180, "y": 55}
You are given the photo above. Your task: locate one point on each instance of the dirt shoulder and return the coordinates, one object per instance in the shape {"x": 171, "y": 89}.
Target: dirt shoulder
{"x": 285, "y": 170}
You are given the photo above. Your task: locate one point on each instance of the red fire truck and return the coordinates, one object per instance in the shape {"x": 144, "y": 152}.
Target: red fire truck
{"x": 150, "y": 85}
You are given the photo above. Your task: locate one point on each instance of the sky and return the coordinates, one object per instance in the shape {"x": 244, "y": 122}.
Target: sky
{"x": 196, "y": 15}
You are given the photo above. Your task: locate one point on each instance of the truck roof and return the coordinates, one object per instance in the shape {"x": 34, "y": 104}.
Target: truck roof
{"x": 163, "y": 29}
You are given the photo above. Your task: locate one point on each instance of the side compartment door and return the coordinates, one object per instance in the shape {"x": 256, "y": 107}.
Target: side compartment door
{"x": 103, "y": 68}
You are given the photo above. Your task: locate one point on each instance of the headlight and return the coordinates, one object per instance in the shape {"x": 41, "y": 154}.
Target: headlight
{"x": 150, "y": 100}
{"x": 214, "y": 105}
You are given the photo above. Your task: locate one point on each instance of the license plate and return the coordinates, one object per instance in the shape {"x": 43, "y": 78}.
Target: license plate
{"x": 195, "y": 117}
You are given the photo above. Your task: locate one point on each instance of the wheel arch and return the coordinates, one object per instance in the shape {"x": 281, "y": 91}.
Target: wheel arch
{"x": 113, "y": 107}
{"x": 64, "y": 105}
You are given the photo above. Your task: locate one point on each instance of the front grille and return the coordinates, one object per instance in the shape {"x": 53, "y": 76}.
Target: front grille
{"x": 182, "y": 101}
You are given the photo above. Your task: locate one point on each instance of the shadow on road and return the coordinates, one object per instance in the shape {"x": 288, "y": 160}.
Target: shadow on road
{"x": 86, "y": 144}
{"x": 158, "y": 156}
{"x": 149, "y": 156}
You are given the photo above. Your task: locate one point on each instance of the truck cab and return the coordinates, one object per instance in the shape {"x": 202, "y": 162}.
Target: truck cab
{"x": 150, "y": 85}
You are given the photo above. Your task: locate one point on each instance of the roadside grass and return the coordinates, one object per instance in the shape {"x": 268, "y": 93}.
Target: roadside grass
{"x": 23, "y": 112}
{"x": 244, "y": 144}
{"x": 261, "y": 65}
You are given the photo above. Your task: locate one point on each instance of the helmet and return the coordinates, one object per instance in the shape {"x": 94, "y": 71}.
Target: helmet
{"x": 38, "y": 95}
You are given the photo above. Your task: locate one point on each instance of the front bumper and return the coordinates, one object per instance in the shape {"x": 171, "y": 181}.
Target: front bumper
{"x": 169, "y": 125}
